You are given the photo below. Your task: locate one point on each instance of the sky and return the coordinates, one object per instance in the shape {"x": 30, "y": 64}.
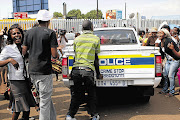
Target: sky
{"x": 146, "y": 8}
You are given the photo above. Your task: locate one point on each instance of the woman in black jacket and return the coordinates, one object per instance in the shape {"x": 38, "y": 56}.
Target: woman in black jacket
{"x": 172, "y": 62}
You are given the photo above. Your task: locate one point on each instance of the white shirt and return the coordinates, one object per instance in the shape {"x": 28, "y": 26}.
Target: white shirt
{"x": 11, "y": 51}
{"x": 158, "y": 40}
{"x": 63, "y": 43}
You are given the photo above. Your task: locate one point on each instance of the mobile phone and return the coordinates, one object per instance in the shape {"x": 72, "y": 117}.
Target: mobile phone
{"x": 5, "y": 29}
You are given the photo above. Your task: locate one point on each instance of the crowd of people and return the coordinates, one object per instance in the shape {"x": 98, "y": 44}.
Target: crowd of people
{"x": 43, "y": 47}
{"x": 27, "y": 57}
{"x": 168, "y": 40}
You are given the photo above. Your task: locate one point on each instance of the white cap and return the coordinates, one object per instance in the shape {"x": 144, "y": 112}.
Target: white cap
{"x": 43, "y": 15}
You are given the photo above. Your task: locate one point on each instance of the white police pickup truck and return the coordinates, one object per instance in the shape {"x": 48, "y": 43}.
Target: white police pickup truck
{"x": 123, "y": 62}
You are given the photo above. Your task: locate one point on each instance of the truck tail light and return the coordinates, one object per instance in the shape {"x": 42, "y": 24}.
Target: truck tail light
{"x": 158, "y": 66}
{"x": 65, "y": 67}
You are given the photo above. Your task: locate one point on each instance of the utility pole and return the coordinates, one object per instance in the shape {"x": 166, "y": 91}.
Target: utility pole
{"x": 97, "y": 9}
{"x": 64, "y": 10}
{"x": 41, "y": 5}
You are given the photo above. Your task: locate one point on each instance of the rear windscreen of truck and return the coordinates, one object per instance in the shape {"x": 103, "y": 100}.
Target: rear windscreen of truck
{"x": 116, "y": 37}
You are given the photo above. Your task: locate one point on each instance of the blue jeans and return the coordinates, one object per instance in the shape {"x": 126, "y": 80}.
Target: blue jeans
{"x": 44, "y": 85}
{"x": 169, "y": 72}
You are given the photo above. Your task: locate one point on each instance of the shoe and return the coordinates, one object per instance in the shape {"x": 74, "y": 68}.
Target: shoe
{"x": 9, "y": 109}
{"x": 68, "y": 117}
{"x": 169, "y": 95}
{"x": 30, "y": 118}
{"x": 96, "y": 117}
{"x": 177, "y": 92}
{"x": 161, "y": 92}
{"x": 38, "y": 109}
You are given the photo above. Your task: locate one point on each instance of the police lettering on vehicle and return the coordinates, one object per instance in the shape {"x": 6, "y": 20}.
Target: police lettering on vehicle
{"x": 115, "y": 61}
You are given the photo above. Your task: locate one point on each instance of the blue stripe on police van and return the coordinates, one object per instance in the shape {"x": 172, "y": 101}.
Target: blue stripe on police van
{"x": 122, "y": 61}
{"x": 126, "y": 61}
{"x": 142, "y": 61}
{"x": 71, "y": 62}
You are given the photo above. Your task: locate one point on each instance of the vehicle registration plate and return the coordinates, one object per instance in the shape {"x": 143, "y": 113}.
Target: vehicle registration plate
{"x": 111, "y": 83}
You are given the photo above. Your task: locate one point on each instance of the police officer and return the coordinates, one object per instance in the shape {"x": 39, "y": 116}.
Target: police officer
{"x": 86, "y": 47}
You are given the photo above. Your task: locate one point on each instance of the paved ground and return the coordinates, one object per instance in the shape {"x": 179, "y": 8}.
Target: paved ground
{"x": 159, "y": 107}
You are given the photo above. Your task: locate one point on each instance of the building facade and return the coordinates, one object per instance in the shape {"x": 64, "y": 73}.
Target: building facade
{"x": 30, "y": 6}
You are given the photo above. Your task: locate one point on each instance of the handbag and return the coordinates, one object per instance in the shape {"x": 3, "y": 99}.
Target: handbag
{"x": 26, "y": 76}
{"x": 31, "y": 100}
{"x": 56, "y": 66}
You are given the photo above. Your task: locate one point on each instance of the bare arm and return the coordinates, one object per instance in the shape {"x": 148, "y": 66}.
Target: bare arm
{"x": 171, "y": 46}
{"x": 156, "y": 44}
{"x": 54, "y": 52}
{"x": 61, "y": 51}
{"x": 2, "y": 32}
{"x": 143, "y": 43}
{"x": 5, "y": 62}
{"x": 65, "y": 39}
{"x": 96, "y": 64}
{"x": 10, "y": 60}
{"x": 24, "y": 50}
{"x": 176, "y": 53}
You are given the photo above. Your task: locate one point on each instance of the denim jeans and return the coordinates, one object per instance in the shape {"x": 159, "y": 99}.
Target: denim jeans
{"x": 169, "y": 72}
{"x": 44, "y": 85}
{"x": 78, "y": 91}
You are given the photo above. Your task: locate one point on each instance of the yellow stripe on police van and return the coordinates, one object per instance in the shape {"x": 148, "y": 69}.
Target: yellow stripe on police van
{"x": 71, "y": 57}
{"x": 70, "y": 67}
{"x": 126, "y": 66}
{"x": 124, "y": 56}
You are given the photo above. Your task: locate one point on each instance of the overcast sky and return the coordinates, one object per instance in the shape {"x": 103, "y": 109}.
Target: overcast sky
{"x": 146, "y": 8}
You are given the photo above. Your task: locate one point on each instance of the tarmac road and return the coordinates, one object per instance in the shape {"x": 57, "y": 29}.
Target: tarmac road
{"x": 158, "y": 108}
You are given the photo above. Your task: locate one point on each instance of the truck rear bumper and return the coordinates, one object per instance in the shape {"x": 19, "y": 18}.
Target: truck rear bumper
{"x": 157, "y": 81}
{"x": 66, "y": 82}
{"x": 137, "y": 82}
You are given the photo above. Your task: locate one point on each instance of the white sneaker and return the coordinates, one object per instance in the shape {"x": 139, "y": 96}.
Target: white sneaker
{"x": 68, "y": 117}
{"x": 31, "y": 118}
{"x": 96, "y": 117}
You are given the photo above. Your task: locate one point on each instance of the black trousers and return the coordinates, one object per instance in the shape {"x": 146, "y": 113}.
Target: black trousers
{"x": 78, "y": 91}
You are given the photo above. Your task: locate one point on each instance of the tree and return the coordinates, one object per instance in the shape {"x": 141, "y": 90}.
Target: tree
{"x": 57, "y": 14}
{"x": 75, "y": 13}
{"x": 83, "y": 16}
{"x": 93, "y": 14}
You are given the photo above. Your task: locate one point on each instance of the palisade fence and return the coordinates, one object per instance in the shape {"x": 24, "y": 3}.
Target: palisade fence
{"x": 77, "y": 23}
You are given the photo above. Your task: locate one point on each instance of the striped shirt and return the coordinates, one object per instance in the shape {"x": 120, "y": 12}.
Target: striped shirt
{"x": 85, "y": 47}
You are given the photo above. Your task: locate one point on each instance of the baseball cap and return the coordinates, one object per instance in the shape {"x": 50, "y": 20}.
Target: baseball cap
{"x": 43, "y": 15}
